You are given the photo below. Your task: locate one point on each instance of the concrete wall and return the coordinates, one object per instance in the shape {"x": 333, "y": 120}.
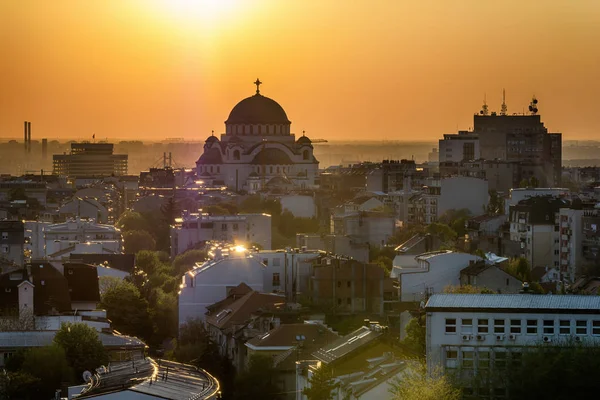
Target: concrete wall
{"x": 463, "y": 192}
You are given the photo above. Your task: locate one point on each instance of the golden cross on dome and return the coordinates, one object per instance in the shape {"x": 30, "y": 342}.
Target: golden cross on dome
{"x": 258, "y": 83}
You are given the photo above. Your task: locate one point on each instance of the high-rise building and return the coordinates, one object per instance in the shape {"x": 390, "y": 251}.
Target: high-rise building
{"x": 90, "y": 160}
{"x": 520, "y": 138}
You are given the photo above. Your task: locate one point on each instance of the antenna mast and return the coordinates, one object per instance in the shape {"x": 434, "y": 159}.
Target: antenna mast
{"x": 503, "y": 108}
{"x": 484, "y": 108}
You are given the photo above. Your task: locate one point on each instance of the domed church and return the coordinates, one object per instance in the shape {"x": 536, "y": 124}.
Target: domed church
{"x": 258, "y": 150}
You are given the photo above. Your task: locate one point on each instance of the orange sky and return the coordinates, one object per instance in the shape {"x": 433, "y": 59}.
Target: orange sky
{"x": 361, "y": 69}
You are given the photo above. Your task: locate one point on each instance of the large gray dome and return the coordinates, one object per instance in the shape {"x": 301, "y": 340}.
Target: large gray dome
{"x": 258, "y": 109}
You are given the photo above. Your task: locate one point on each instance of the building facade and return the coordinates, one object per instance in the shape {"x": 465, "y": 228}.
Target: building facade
{"x": 241, "y": 229}
{"x": 472, "y": 334}
{"x": 258, "y": 150}
{"x": 90, "y": 159}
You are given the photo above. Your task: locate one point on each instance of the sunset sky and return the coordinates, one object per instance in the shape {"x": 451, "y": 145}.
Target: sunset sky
{"x": 351, "y": 70}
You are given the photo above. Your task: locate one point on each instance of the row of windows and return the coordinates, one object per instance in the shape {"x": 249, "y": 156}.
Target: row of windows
{"x": 249, "y": 129}
{"x": 482, "y": 359}
{"x": 528, "y": 326}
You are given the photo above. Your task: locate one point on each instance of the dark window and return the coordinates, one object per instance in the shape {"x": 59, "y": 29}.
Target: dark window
{"x": 276, "y": 281}
{"x": 450, "y": 325}
{"x": 548, "y": 327}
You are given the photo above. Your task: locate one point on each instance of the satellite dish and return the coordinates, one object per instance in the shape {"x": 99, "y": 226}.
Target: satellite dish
{"x": 87, "y": 376}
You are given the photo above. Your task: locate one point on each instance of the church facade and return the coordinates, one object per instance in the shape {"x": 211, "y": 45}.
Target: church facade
{"x": 258, "y": 150}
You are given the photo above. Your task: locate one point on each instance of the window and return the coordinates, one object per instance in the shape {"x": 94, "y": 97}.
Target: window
{"x": 500, "y": 360}
{"x": 564, "y": 327}
{"x": 266, "y": 261}
{"x": 498, "y": 326}
{"x": 276, "y": 281}
{"x": 305, "y": 155}
{"x": 348, "y": 301}
{"x": 451, "y": 358}
{"x": 4, "y": 235}
{"x": 223, "y": 227}
{"x": 596, "y": 328}
{"x": 548, "y": 327}
{"x": 581, "y": 327}
{"x": 349, "y": 284}
{"x": 467, "y": 325}
{"x": 339, "y": 301}
{"x": 515, "y": 359}
{"x": 339, "y": 283}
{"x": 5, "y": 248}
{"x": 276, "y": 262}
{"x": 482, "y": 326}
{"x": 450, "y": 325}
{"x": 483, "y": 359}
{"x": 236, "y": 227}
{"x": 467, "y": 359}
{"x": 206, "y": 225}
{"x": 515, "y": 326}
{"x": 532, "y": 326}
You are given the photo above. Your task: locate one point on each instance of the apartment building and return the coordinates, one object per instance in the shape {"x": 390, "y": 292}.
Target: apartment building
{"x": 470, "y": 334}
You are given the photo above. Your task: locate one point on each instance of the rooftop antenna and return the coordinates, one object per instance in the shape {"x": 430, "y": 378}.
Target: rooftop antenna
{"x": 533, "y": 106}
{"x": 503, "y": 108}
{"x": 484, "y": 108}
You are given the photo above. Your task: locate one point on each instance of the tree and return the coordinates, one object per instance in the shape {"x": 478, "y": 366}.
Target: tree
{"x": 417, "y": 384}
{"x": 49, "y": 364}
{"x": 136, "y": 241}
{"x": 127, "y": 310}
{"x": 415, "y": 335}
{"x": 169, "y": 211}
{"x": 321, "y": 384}
{"x": 19, "y": 385}
{"x": 568, "y": 371}
{"x": 384, "y": 262}
{"x": 17, "y": 193}
{"x": 185, "y": 261}
{"x": 256, "y": 382}
{"x": 443, "y": 231}
{"x": 148, "y": 261}
{"x": 163, "y": 314}
{"x": 496, "y": 204}
{"x": 108, "y": 282}
{"x": 519, "y": 268}
{"x": 83, "y": 348}
{"x": 131, "y": 221}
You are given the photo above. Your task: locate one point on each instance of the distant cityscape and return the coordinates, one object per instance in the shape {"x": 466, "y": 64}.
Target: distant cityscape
{"x": 263, "y": 261}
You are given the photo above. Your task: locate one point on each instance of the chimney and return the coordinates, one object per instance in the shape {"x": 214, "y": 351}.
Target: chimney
{"x": 29, "y": 137}
{"x": 44, "y": 148}
{"x": 25, "y": 135}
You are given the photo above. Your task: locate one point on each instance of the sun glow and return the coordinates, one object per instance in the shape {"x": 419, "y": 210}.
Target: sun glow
{"x": 207, "y": 11}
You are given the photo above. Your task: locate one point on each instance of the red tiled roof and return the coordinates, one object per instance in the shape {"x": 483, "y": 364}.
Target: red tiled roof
{"x": 242, "y": 309}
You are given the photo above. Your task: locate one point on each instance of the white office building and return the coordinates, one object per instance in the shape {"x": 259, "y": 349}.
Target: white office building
{"x": 469, "y": 334}
{"x": 242, "y": 229}
{"x": 58, "y": 241}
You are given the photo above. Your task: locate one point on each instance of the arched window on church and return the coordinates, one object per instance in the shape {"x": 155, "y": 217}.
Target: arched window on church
{"x": 277, "y": 169}
{"x": 305, "y": 155}
{"x": 270, "y": 170}
{"x": 236, "y": 155}
{"x": 211, "y": 168}
{"x": 252, "y": 129}
{"x": 259, "y": 129}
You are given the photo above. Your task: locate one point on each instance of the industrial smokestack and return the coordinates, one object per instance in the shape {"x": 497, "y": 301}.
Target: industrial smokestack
{"x": 29, "y": 137}
{"x": 44, "y": 148}
{"x": 25, "y": 135}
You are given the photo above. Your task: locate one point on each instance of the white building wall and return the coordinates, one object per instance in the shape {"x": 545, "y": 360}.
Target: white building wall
{"x": 502, "y": 335}
{"x": 571, "y": 237}
{"x": 432, "y": 275}
{"x": 463, "y": 192}
{"x": 210, "y": 282}
{"x": 452, "y": 150}
{"x": 300, "y": 206}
